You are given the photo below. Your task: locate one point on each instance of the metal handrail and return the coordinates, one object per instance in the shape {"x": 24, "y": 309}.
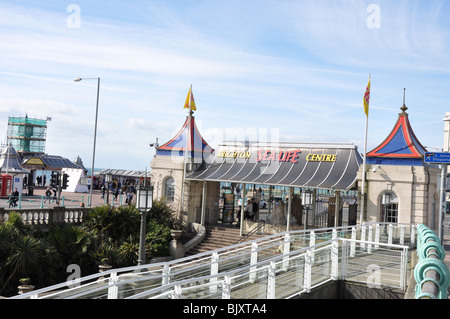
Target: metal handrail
{"x": 261, "y": 224}
{"x": 175, "y": 290}
{"x": 247, "y": 254}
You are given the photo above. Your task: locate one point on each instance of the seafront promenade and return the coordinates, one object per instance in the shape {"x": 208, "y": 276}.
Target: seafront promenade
{"x": 67, "y": 199}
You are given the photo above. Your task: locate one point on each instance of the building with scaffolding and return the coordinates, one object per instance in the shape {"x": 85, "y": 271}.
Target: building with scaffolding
{"x": 27, "y": 135}
{"x": 25, "y": 147}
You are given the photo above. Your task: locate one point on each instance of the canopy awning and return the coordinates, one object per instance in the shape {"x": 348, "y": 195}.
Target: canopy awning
{"x": 122, "y": 173}
{"x": 48, "y": 162}
{"x": 324, "y": 165}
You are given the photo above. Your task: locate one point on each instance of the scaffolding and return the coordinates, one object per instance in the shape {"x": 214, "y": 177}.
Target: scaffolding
{"x": 27, "y": 135}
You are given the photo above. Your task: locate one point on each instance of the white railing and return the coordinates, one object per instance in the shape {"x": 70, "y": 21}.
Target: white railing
{"x": 287, "y": 276}
{"x": 277, "y": 266}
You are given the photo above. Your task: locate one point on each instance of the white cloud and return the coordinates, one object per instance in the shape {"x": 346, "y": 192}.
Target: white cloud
{"x": 299, "y": 67}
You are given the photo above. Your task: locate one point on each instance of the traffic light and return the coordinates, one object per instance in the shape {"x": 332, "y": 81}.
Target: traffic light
{"x": 54, "y": 179}
{"x": 65, "y": 180}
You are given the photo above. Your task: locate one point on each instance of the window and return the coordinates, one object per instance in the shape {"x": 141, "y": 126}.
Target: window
{"x": 389, "y": 208}
{"x": 170, "y": 189}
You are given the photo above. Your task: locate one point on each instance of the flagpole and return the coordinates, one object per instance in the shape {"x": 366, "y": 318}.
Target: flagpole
{"x": 187, "y": 148}
{"x": 364, "y": 168}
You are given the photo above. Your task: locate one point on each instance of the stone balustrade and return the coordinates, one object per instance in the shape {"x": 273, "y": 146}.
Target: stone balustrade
{"x": 47, "y": 216}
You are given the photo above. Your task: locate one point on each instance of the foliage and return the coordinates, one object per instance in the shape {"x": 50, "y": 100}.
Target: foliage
{"x": 162, "y": 213}
{"x": 129, "y": 251}
{"x": 110, "y": 223}
{"x": 107, "y": 252}
{"x": 157, "y": 239}
{"x": 107, "y": 233}
{"x": 21, "y": 255}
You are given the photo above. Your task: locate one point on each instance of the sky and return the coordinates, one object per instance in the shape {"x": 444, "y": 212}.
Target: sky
{"x": 290, "y": 71}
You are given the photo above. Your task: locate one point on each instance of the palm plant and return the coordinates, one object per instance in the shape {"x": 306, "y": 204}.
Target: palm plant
{"x": 70, "y": 243}
{"x": 129, "y": 251}
{"x": 112, "y": 223}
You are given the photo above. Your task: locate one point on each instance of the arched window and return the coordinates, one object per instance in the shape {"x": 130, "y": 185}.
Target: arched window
{"x": 389, "y": 208}
{"x": 169, "y": 192}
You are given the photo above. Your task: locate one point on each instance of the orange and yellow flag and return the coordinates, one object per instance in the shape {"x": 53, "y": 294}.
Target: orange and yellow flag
{"x": 190, "y": 103}
{"x": 366, "y": 99}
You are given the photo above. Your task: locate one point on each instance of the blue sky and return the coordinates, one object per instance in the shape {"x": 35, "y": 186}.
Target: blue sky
{"x": 289, "y": 70}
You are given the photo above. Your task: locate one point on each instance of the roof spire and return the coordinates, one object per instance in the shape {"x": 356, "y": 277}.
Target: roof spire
{"x": 404, "y": 108}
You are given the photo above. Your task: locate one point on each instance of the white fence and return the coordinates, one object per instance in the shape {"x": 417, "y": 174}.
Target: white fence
{"x": 278, "y": 266}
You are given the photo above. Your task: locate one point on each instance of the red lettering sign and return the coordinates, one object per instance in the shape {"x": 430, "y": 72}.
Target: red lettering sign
{"x": 269, "y": 155}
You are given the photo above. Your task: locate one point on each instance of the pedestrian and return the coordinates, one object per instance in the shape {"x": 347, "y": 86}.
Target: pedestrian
{"x": 13, "y": 197}
{"x": 254, "y": 208}
{"x": 48, "y": 193}
{"x": 129, "y": 197}
{"x": 248, "y": 210}
{"x": 103, "y": 188}
{"x": 116, "y": 193}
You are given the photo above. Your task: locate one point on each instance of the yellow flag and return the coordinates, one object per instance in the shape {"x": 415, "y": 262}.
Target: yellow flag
{"x": 190, "y": 103}
{"x": 366, "y": 99}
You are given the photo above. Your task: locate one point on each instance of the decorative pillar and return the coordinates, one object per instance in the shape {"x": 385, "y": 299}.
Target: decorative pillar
{"x": 176, "y": 247}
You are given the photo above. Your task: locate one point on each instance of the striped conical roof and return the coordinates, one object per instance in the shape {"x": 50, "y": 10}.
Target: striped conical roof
{"x": 196, "y": 145}
{"x": 401, "y": 146}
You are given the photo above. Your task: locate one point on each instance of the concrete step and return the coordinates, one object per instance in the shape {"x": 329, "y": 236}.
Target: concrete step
{"x": 218, "y": 237}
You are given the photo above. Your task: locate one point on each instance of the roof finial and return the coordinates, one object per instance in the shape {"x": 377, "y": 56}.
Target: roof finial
{"x": 404, "y": 108}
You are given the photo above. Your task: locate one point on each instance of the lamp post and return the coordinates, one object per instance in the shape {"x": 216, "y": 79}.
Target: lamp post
{"x": 307, "y": 199}
{"x": 108, "y": 180}
{"x": 385, "y": 202}
{"x": 144, "y": 199}
{"x": 95, "y": 133}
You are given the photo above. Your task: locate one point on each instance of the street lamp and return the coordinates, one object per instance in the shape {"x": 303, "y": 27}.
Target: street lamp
{"x": 385, "y": 202}
{"x": 95, "y": 132}
{"x": 307, "y": 200}
{"x": 108, "y": 180}
{"x": 144, "y": 199}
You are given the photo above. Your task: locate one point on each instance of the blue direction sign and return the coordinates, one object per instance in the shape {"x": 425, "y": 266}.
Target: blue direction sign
{"x": 437, "y": 158}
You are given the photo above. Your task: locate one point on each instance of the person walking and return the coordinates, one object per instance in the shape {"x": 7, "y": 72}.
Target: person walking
{"x": 48, "y": 193}
{"x": 103, "y": 188}
{"x": 129, "y": 197}
{"x": 248, "y": 210}
{"x": 116, "y": 193}
{"x": 254, "y": 209}
{"x": 13, "y": 197}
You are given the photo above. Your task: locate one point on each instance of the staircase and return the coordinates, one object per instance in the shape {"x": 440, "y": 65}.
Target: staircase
{"x": 218, "y": 237}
